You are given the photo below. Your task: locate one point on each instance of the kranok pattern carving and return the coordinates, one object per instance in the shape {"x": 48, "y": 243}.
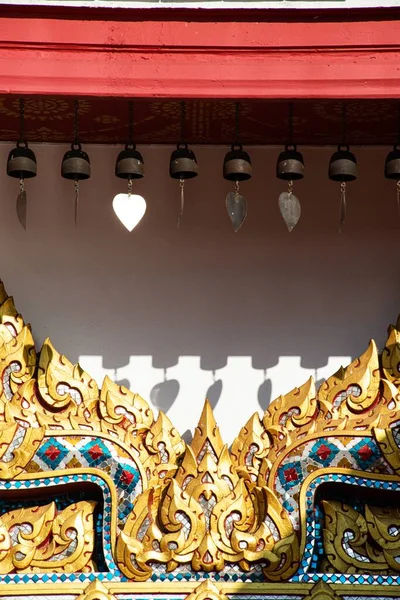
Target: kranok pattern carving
{"x": 165, "y": 510}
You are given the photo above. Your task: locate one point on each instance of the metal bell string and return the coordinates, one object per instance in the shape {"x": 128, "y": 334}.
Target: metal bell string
{"x": 343, "y": 168}
{"x": 129, "y": 208}
{"x": 76, "y": 164}
{"x": 290, "y": 167}
{"x": 21, "y": 164}
{"x": 236, "y": 168}
{"x": 183, "y": 164}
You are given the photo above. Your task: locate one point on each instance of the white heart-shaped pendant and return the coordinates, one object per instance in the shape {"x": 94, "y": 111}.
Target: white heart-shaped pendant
{"x": 290, "y": 208}
{"x": 129, "y": 209}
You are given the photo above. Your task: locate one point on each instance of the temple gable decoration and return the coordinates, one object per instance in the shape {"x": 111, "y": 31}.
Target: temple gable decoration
{"x": 97, "y": 492}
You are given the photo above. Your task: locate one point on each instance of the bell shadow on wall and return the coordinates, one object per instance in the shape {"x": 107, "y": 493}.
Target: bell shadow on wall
{"x": 164, "y": 394}
{"x": 124, "y": 382}
{"x": 264, "y": 394}
{"x": 214, "y": 391}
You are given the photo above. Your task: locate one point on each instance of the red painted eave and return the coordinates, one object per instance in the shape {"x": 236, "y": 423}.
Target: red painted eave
{"x": 200, "y": 54}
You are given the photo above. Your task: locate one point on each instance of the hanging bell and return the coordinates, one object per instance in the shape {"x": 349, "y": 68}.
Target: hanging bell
{"x": 392, "y": 164}
{"x": 129, "y": 163}
{"x": 290, "y": 165}
{"x": 343, "y": 165}
{"x": 22, "y": 162}
{"x": 75, "y": 164}
{"x": 237, "y": 164}
{"x": 183, "y": 163}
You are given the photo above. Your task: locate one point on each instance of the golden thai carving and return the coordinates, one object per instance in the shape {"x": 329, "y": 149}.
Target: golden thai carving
{"x": 206, "y": 591}
{"x": 208, "y": 516}
{"x": 40, "y": 540}
{"x": 389, "y": 447}
{"x": 62, "y": 384}
{"x": 322, "y": 591}
{"x": 118, "y": 404}
{"x": 96, "y": 591}
{"x": 356, "y": 543}
{"x": 201, "y": 506}
{"x": 391, "y": 355}
{"x": 355, "y": 399}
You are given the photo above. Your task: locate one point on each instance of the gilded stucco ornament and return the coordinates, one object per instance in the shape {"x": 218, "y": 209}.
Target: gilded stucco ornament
{"x": 41, "y": 540}
{"x": 96, "y": 591}
{"x": 199, "y": 507}
{"x": 207, "y": 515}
{"x": 322, "y": 591}
{"x": 356, "y": 542}
{"x": 206, "y": 591}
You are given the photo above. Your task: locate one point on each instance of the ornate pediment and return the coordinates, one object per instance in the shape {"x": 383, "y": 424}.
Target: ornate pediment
{"x": 98, "y": 492}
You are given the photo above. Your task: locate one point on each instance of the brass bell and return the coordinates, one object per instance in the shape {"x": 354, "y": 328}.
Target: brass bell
{"x": 290, "y": 165}
{"x": 21, "y": 162}
{"x": 392, "y": 164}
{"x": 129, "y": 163}
{"x": 237, "y": 164}
{"x": 343, "y": 165}
{"x": 183, "y": 163}
{"x": 75, "y": 164}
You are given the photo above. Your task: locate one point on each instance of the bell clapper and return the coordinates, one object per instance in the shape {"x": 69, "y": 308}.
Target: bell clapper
{"x": 237, "y": 191}
{"x": 76, "y": 188}
{"x": 22, "y": 203}
{"x": 398, "y": 195}
{"x": 342, "y": 205}
{"x": 182, "y": 188}
{"x": 21, "y": 186}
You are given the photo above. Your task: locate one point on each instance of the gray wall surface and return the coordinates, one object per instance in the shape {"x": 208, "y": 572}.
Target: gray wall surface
{"x": 179, "y": 315}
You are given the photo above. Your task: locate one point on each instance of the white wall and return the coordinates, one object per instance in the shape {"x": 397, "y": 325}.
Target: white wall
{"x": 181, "y": 314}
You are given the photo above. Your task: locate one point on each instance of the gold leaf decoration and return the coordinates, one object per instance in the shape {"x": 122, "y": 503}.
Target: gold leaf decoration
{"x": 164, "y": 447}
{"x": 356, "y": 543}
{"x": 96, "y": 591}
{"x": 206, "y": 516}
{"x": 322, "y": 591}
{"x": 118, "y": 404}
{"x": 355, "y": 388}
{"x": 39, "y": 540}
{"x": 206, "y": 591}
{"x": 391, "y": 355}
{"x": 202, "y": 507}
{"x": 61, "y": 383}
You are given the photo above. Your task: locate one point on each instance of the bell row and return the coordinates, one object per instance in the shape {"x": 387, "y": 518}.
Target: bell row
{"x": 183, "y": 163}
{"x": 130, "y": 208}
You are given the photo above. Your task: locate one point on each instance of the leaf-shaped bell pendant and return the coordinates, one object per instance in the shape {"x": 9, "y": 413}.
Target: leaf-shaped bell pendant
{"x": 237, "y": 167}
{"x": 22, "y": 165}
{"x": 290, "y": 167}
